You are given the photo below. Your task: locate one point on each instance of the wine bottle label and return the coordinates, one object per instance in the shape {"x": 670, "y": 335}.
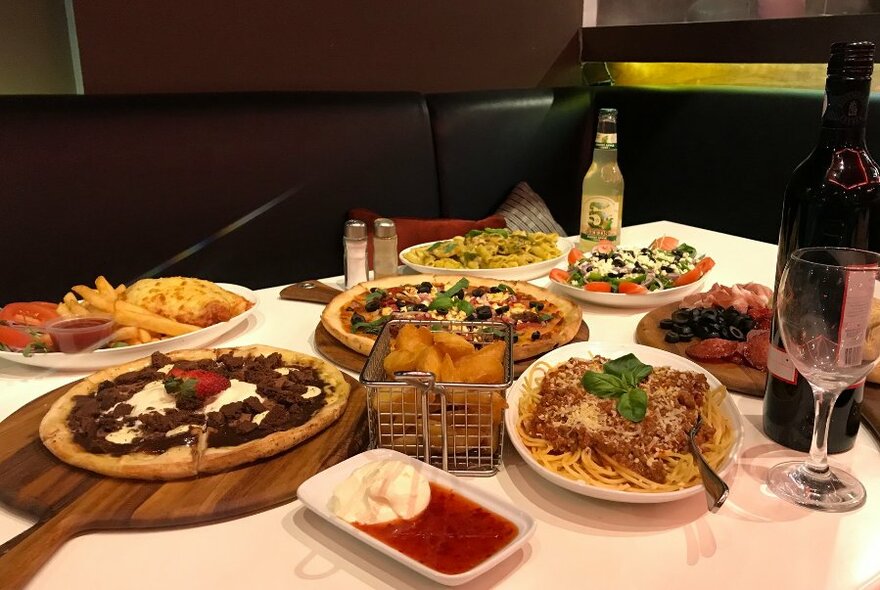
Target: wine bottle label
{"x": 780, "y": 365}
{"x": 854, "y": 315}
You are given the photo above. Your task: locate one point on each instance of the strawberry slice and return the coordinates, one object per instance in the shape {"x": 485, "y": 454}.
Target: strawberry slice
{"x": 203, "y": 384}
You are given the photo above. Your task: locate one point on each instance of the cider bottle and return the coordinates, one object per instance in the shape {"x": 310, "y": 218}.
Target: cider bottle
{"x": 602, "y": 195}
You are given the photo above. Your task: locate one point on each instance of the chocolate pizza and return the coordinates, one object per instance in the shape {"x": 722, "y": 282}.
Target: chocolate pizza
{"x": 198, "y": 411}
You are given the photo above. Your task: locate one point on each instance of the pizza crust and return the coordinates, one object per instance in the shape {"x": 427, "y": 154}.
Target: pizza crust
{"x": 187, "y": 461}
{"x": 564, "y": 332}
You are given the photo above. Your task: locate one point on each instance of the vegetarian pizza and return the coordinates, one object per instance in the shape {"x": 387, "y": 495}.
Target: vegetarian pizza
{"x": 193, "y": 411}
{"x": 540, "y": 319}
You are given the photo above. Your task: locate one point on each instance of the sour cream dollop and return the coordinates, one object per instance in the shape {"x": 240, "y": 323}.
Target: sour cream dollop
{"x": 381, "y": 491}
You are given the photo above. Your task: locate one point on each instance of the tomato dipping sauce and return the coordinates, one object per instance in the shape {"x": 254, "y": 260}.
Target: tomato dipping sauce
{"x": 452, "y": 535}
{"x": 79, "y": 333}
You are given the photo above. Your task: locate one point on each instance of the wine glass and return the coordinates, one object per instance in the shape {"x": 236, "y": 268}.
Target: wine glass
{"x": 824, "y": 306}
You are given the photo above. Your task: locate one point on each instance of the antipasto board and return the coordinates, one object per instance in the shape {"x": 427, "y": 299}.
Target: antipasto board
{"x": 735, "y": 377}
{"x": 68, "y": 501}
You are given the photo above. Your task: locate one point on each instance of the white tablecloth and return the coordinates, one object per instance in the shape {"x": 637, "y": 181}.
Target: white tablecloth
{"x": 755, "y": 541}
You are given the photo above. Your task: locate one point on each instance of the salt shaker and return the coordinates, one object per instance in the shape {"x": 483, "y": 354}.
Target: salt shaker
{"x": 354, "y": 242}
{"x": 384, "y": 248}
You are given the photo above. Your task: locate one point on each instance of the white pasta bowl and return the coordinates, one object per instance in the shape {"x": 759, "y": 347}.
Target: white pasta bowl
{"x": 524, "y": 272}
{"x": 650, "y": 356}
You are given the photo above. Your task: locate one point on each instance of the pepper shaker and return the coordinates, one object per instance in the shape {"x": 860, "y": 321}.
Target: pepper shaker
{"x": 354, "y": 242}
{"x": 384, "y": 248}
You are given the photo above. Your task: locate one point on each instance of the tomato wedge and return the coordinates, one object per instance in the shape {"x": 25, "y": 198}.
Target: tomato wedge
{"x": 14, "y": 339}
{"x": 574, "y": 255}
{"x": 31, "y": 313}
{"x": 631, "y": 288}
{"x": 695, "y": 274}
{"x": 598, "y": 287}
{"x": 665, "y": 243}
{"x": 560, "y": 276}
{"x": 603, "y": 247}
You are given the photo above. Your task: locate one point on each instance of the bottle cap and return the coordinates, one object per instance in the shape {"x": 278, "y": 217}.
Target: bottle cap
{"x": 384, "y": 228}
{"x": 355, "y": 229}
{"x": 851, "y": 60}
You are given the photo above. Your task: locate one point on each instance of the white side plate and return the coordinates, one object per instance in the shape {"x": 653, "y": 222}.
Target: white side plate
{"x": 108, "y": 357}
{"x": 651, "y": 299}
{"x": 315, "y": 493}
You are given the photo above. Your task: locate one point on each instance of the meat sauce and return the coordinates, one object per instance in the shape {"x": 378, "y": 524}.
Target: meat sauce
{"x": 452, "y": 535}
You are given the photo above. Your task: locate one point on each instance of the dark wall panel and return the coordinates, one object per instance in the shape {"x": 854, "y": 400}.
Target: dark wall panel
{"x": 142, "y": 46}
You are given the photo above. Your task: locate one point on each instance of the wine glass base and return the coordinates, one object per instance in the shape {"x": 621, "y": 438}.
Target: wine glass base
{"x": 838, "y": 491}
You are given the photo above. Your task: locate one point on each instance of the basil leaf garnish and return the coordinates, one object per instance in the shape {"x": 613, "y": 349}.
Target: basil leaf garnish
{"x": 628, "y": 368}
{"x": 602, "y": 384}
{"x": 376, "y": 295}
{"x": 464, "y": 306}
{"x": 441, "y": 302}
{"x": 373, "y": 327}
{"x": 633, "y": 404}
{"x": 454, "y": 289}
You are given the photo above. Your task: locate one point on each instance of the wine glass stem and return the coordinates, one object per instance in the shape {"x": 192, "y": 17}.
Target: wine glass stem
{"x": 817, "y": 464}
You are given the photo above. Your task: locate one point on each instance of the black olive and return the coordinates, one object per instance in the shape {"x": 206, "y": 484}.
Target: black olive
{"x": 618, "y": 262}
{"x": 645, "y": 250}
{"x": 373, "y": 305}
{"x": 683, "y": 330}
{"x": 685, "y": 338}
{"x": 536, "y": 335}
{"x": 736, "y": 333}
{"x": 400, "y": 303}
{"x": 424, "y": 287}
{"x": 373, "y": 289}
{"x": 441, "y": 311}
{"x": 357, "y": 318}
{"x": 701, "y": 332}
{"x": 459, "y": 295}
{"x": 725, "y": 332}
{"x": 681, "y": 316}
{"x": 515, "y": 337}
{"x": 478, "y": 292}
{"x": 638, "y": 268}
{"x": 537, "y": 305}
{"x": 711, "y": 313}
{"x": 667, "y": 268}
{"x": 494, "y": 290}
{"x": 470, "y": 317}
{"x": 671, "y": 337}
{"x": 484, "y": 312}
{"x": 713, "y": 335}
{"x": 666, "y": 324}
{"x": 420, "y": 307}
{"x": 745, "y": 324}
{"x": 502, "y": 309}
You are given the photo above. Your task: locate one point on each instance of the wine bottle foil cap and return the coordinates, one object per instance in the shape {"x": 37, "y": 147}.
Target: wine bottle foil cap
{"x": 355, "y": 229}
{"x": 851, "y": 60}
{"x": 384, "y": 228}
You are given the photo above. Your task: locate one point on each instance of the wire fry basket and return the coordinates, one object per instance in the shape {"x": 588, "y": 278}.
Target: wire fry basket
{"x": 458, "y": 427}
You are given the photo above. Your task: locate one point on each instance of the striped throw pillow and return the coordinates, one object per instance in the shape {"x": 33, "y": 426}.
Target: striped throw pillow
{"x": 524, "y": 209}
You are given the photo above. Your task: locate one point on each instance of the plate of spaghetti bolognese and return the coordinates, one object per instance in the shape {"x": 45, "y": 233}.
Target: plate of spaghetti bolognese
{"x": 598, "y": 437}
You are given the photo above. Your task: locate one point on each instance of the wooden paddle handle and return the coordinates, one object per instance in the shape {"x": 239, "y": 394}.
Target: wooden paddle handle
{"x": 311, "y": 291}
{"x": 22, "y": 556}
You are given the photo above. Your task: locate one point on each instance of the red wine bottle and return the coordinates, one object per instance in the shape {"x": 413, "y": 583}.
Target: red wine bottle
{"x": 832, "y": 199}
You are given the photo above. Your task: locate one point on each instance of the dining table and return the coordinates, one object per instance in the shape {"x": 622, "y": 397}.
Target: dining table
{"x": 754, "y": 541}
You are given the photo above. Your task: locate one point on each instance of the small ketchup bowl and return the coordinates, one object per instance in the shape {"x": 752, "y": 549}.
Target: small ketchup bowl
{"x": 80, "y": 333}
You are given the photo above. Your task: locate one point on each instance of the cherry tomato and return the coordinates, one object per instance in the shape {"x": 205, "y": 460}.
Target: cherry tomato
{"x": 665, "y": 243}
{"x": 574, "y": 255}
{"x": 559, "y": 275}
{"x": 14, "y": 339}
{"x": 631, "y": 288}
{"x": 33, "y": 313}
{"x": 598, "y": 287}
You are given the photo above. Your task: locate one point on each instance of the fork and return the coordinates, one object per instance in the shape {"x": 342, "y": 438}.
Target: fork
{"x": 716, "y": 490}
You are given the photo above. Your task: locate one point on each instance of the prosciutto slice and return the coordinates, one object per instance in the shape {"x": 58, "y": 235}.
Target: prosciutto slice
{"x": 741, "y": 297}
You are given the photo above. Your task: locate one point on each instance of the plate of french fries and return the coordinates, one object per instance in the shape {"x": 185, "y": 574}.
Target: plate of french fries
{"x": 138, "y": 332}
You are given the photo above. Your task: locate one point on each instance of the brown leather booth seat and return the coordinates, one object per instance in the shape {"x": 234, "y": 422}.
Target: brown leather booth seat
{"x": 253, "y": 188}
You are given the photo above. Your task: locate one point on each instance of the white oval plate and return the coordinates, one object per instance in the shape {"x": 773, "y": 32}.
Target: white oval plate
{"x": 519, "y": 273}
{"x": 108, "y": 357}
{"x": 650, "y": 356}
{"x": 316, "y": 491}
{"x": 649, "y": 299}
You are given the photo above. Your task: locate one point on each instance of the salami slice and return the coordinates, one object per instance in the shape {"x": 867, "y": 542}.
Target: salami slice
{"x": 712, "y": 349}
{"x": 756, "y": 349}
{"x": 762, "y": 316}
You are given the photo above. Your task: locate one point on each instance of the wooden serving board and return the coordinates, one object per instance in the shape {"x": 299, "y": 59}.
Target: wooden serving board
{"x": 68, "y": 501}
{"x": 336, "y": 352}
{"x": 735, "y": 377}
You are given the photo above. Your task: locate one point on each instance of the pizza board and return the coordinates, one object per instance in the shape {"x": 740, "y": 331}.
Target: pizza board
{"x": 338, "y": 353}
{"x": 68, "y": 501}
{"x": 735, "y": 377}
